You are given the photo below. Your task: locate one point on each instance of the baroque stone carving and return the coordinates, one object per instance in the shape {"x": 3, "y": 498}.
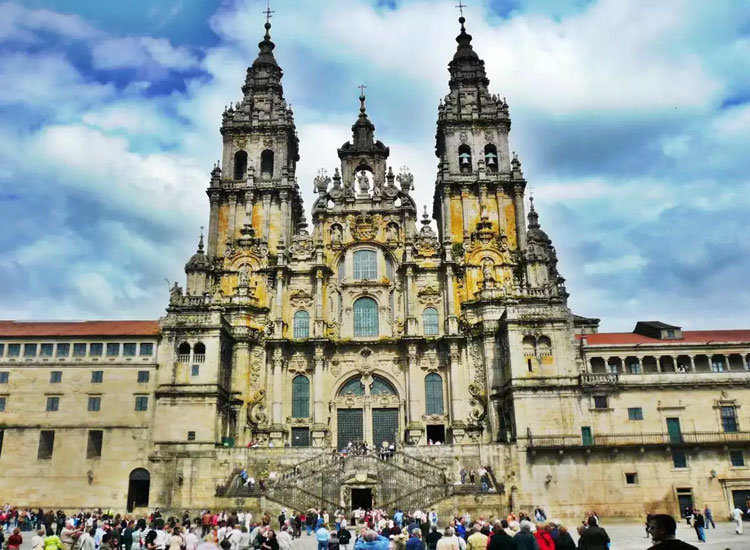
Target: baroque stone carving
{"x": 364, "y": 227}
{"x": 302, "y": 247}
{"x": 426, "y": 244}
{"x": 256, "y": 410}
{"x": 429, "y": 295}
{"x": 300, "y": 298}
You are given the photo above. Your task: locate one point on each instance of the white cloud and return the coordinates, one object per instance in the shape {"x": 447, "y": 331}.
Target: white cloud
{"x": 141, "y": 53}
{"x": 18, "y": 23}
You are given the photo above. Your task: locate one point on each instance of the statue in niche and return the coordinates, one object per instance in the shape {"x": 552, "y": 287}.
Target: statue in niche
{"x": 376, "y": 190}
{"x": 391, "y": 232}
{"x": 363, "y": 182}
{"x": 244, "y": 275}
{"x": 349, "y": 190}
{"x": 488, "y": 279}
{"x": 336, "y": 235}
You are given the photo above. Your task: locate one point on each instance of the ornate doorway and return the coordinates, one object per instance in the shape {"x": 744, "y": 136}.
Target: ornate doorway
{"x": 367, "y": 409}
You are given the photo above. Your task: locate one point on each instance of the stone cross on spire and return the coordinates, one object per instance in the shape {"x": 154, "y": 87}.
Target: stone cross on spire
{"x": 362, "y": 88}
{"x": 461, "y": 7}
{"x": 268, "y": 12}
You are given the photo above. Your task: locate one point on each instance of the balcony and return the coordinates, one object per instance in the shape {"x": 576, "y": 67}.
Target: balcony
{"x": 183, "y": 358}
{"x": 653, "y": 440}
{"x": 599, "y": 379}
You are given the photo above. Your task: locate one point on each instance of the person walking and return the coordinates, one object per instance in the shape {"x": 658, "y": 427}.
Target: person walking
{"x": 415, "y": 541}
{"x": 344, "y": 536}
{"x": 663, "y": 529}
{"x": 524, "y": 540}
{"x": 52, "y": 541}
{"x": 736, "y": 516}
{"x": 699, "y": 525}
{"x": 500, "y": 540}
{"x": 708, "y": 515}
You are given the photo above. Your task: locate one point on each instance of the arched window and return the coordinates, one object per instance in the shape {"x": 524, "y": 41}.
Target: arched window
{"x": 430, "y": 321}
{"x": 301, "y": 324}
{"x": 300, "y": 397}
{"x": 381, "y": 386}
{"x": 199, "y": 348}
{"x": 183, "y": 349}
{"x": 365, "y": 317}
{"x": 353, "y": 387}
{"x": 433, "y": 391}
{"x": 464, "y": 159}
{"x": 266, "y": 164}
{"x": 490, "y": 157}
{"x": 365, "y": 265}
{"x": 544, "y": 346}
{"x": 342, "y": 269}
{"x": 240, "y": 165}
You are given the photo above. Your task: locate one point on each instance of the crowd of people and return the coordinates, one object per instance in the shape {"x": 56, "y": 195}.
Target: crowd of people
{"x": 367, "y": 529}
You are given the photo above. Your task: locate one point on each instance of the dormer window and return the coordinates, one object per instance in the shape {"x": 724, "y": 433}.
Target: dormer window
{"x": 490, "y": 157}
{"x": 464, "y": 159}
{"x": 240, "y": 165}
{"x": 266, "y": 164}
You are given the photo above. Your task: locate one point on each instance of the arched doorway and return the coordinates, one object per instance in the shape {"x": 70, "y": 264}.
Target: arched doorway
{"x": 138, "y": 489}
{"x": 367, "y": 410}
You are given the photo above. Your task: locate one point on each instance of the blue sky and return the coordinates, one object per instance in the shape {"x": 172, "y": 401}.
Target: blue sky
{"x": 632, "y": 120}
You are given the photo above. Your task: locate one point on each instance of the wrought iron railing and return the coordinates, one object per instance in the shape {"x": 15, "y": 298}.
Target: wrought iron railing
{"x": 591, "y": 378}
{"x": 638, "y": 440}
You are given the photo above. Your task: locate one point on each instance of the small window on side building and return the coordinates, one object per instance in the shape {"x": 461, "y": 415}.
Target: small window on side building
{"x": 141, "y": 403}
{"x": 128, "y": 349}
{"x": 46, "y": 444}
{"x": 95, "y": 349}
{"x": 635, "y": 413}
{"x": 94, "y": 447}
{"x": 63, "y": 350}
{"x": 679, "y": 458}
{"x": 143, "y": 376}
{"x": 97, "y": 376}
{"x": 53, "y": 404}
{"x": 79, "y": 349}
{"x": 46, "y": 350}
{"x": 95, "y": 403}
{"x": 4, "y": 377}
{"x": 631, "y": 479}
{"x": 147, "y": 349}
{"x": 737, "y": 458}
{"x": 191, "y": 436}
{"x": 113, "y": 349}
{"x": 601, "y": 402}
{"x": 29, "y": 350}
{"x": 14, "y": 350}
{"x": 55, "y": 377}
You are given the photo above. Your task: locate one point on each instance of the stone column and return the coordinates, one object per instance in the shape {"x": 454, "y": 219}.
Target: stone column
{"x": 691, "y": 363}
{"x": 658, "y": 363}
{"x": 232, "y": 217}
{"x": 447, "y": 236}
{"x": 249, "y": 200}
{"x": 457, "y": 383}
{"x": 241, "y": 380}
{"x": 414, "y": 428}
{"x": 317, "y": 324}
{"x": 320, "y": 418}
{"x": 213, "y": 230}
{"x": 285, "y": 225}
{"x": 465, "y": 212}
{"x": 450, "y": 313}
{"x": 492, "y": 379}
{"x": 276, "y": 398}
{"x": 409, "y": 302}
{"x": 499, "y": 201}
{"x": 266, "y": 216}
{"x": 520, "y": 216}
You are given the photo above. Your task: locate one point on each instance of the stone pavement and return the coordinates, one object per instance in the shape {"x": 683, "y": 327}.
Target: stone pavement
{"x": 631, "y": 536}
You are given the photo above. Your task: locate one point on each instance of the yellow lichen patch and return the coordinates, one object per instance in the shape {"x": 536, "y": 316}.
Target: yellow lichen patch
{"x": 257, "y": 221}
{"x": 457, "y": 221}
{"x": 223, "y": 224}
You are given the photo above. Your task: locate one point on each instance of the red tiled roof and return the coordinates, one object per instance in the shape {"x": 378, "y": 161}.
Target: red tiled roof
{"x": 688, "y": 337}
{"x": 25, "y": 329}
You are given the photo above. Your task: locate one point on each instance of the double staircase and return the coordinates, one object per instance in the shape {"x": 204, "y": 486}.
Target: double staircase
{"x": 325, "y": 481}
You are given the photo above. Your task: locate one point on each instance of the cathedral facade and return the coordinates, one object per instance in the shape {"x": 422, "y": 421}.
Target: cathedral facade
{"x": 288, "y": 341}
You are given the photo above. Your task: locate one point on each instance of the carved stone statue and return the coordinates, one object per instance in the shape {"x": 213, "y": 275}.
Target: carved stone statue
{"x": 175, "y": 292}
{"x": 391, "y": 232}
{"x": 363, "y": 182}
{"x": 336, "y": 235}
{"x": 244, "y": 275}
{"x": 488, "y": 280}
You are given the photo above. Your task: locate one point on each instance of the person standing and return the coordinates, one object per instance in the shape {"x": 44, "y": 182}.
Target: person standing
{"x": 477, "y": 540}
{"x": 284, "y": 538}
{"x": 322, "y": 536}
{"x": 344, "y": 536}
{"x": 415, "y": 541}
{"x": 37, "y": 541}
{"x": 736, "y": 516}
{"x": 52, "y": 541}
{"x": 15, "y": 540}
{"x": 708, "y": 516}
{"x": 699, "y": 525}
{"x": 593, "y": 537}
{"x": 524, "y": 540}
{"x": 663, "y": 529}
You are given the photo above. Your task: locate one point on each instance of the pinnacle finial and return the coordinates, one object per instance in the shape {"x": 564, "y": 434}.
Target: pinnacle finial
{"x": 200, "y": 242}
{"x": 268, "y": 13}
{"x": 362, "y": 88}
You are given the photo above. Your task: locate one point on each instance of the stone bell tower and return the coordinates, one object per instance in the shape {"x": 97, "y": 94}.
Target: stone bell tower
{"x": 255, "y": 194}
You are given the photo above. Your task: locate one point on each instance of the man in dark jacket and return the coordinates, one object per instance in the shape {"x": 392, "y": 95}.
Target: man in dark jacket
{"x": 500, "y": 540}
{"x": 663, "y": 529}
{"x": 415, "y": 542}
{"x": 432, "y": 538}
{"x": 524, "y": 540}
{"x": 593, "y": 537}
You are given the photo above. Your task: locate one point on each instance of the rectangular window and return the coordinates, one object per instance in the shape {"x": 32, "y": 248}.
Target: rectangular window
{"x": 29, "y": 350}
{"x": 46, "y": 444}
{"x": 46, "y": 350}
{"x": 717, "y": 364}
{"x": 631, "y": 479}
{"x": 586, "y": 437}
{"x": 2, "y": 349}
{"x": 128, "y": 349}
{"x": 97, "y": 376}
{"x": 55, "y": 377}
{"x": 365, "y": 265}
{"x": 191, "y": 436}
{"x": 2, "y": 404}
{"x": 4, "y": 377}
{"x": 737, "y": 458}
{"x": 95, "y": 403}
{"x": 14, "y": 350}
{"x": 601, "y": 402}
{"x": 113, "y": 349}
{"x": 95, "y": 350}
{"x": 195, "y": 370}
{"x": 53, "y": 404}
{"x": 635, "y": 413}
{"x": 94, "y": 447}
{"x": 300, "y": 437}
{"x": 79, "y": 349}
{"x": 147, "y": 349}
{"x": 143, "y": 376}
{"x": 729, "y": 419}
{"x": 679, "y": 458}
{"x": 63, "y": 350}
{"x": 141, "y": 403}
{"x": 634, "y": 367}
